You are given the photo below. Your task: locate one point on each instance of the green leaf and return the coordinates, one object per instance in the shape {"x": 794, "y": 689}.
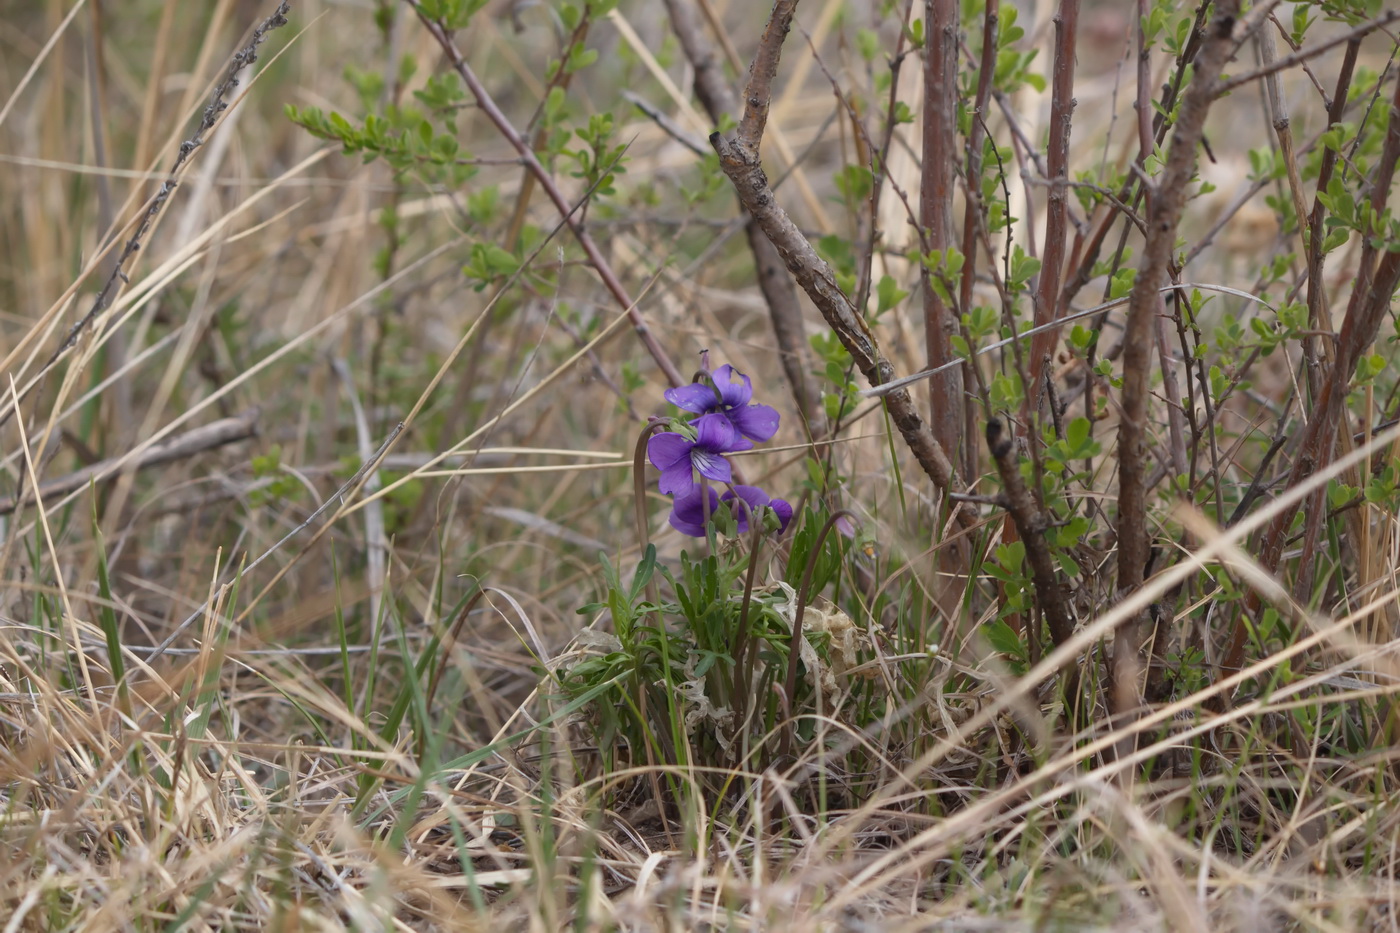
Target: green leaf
{"x": 888, "y": 294}
{"x": 1003, "y": 639}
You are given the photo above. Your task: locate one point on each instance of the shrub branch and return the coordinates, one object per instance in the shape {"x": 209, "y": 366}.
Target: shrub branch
{"x": 1164, "y": 213}
{"x": 1165, "y": 206}
{"x": 784, "y": 310}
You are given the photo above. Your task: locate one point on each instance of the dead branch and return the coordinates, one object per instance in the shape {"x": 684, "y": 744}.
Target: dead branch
{"x": 208, "y": 437}
{"x": 1355, "y": 34}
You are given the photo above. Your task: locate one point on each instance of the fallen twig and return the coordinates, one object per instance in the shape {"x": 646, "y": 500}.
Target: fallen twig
{"x": 208, "y": 437}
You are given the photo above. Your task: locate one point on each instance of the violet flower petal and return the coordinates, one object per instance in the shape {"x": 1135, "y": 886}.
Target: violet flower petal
{"x": 671, "y": 453}
{"x": 758, "y": 422}
{"x": 711, "y": 465}
{"x": 715, "y": 433}
{"x": 752, "y": 496}
{"x": 732, "y": 394}
{"x": 668, "y": 448}
{"x": 783, "y": 509}
{"x": 696, "y": 397}
{"x": 745, "y": 500}
{"x": 688, "y": 513}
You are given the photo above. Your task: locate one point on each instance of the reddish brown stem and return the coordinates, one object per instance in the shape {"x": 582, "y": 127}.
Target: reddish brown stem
{"x": 1056, "y": 214}
{"x": 936, "y": 213}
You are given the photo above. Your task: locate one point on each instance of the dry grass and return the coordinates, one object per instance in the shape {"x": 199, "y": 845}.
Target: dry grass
{"x": 250, "y": 685}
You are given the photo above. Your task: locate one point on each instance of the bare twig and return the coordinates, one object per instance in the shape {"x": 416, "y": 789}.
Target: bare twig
{"x": 1288, "y": 61}
{"x": 1318, "y": 314}
{"x": 142, "y": 225}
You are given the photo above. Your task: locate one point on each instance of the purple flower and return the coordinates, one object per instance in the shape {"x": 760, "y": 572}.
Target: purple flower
{"x": 745, "y": 499}
{"x": 689, "y": 512}
{"x": 730, "y": 399}
{"x": 677, "y": 455}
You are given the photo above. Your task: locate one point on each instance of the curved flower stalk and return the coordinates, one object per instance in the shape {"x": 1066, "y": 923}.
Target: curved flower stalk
{"x": 728, "y": 421}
